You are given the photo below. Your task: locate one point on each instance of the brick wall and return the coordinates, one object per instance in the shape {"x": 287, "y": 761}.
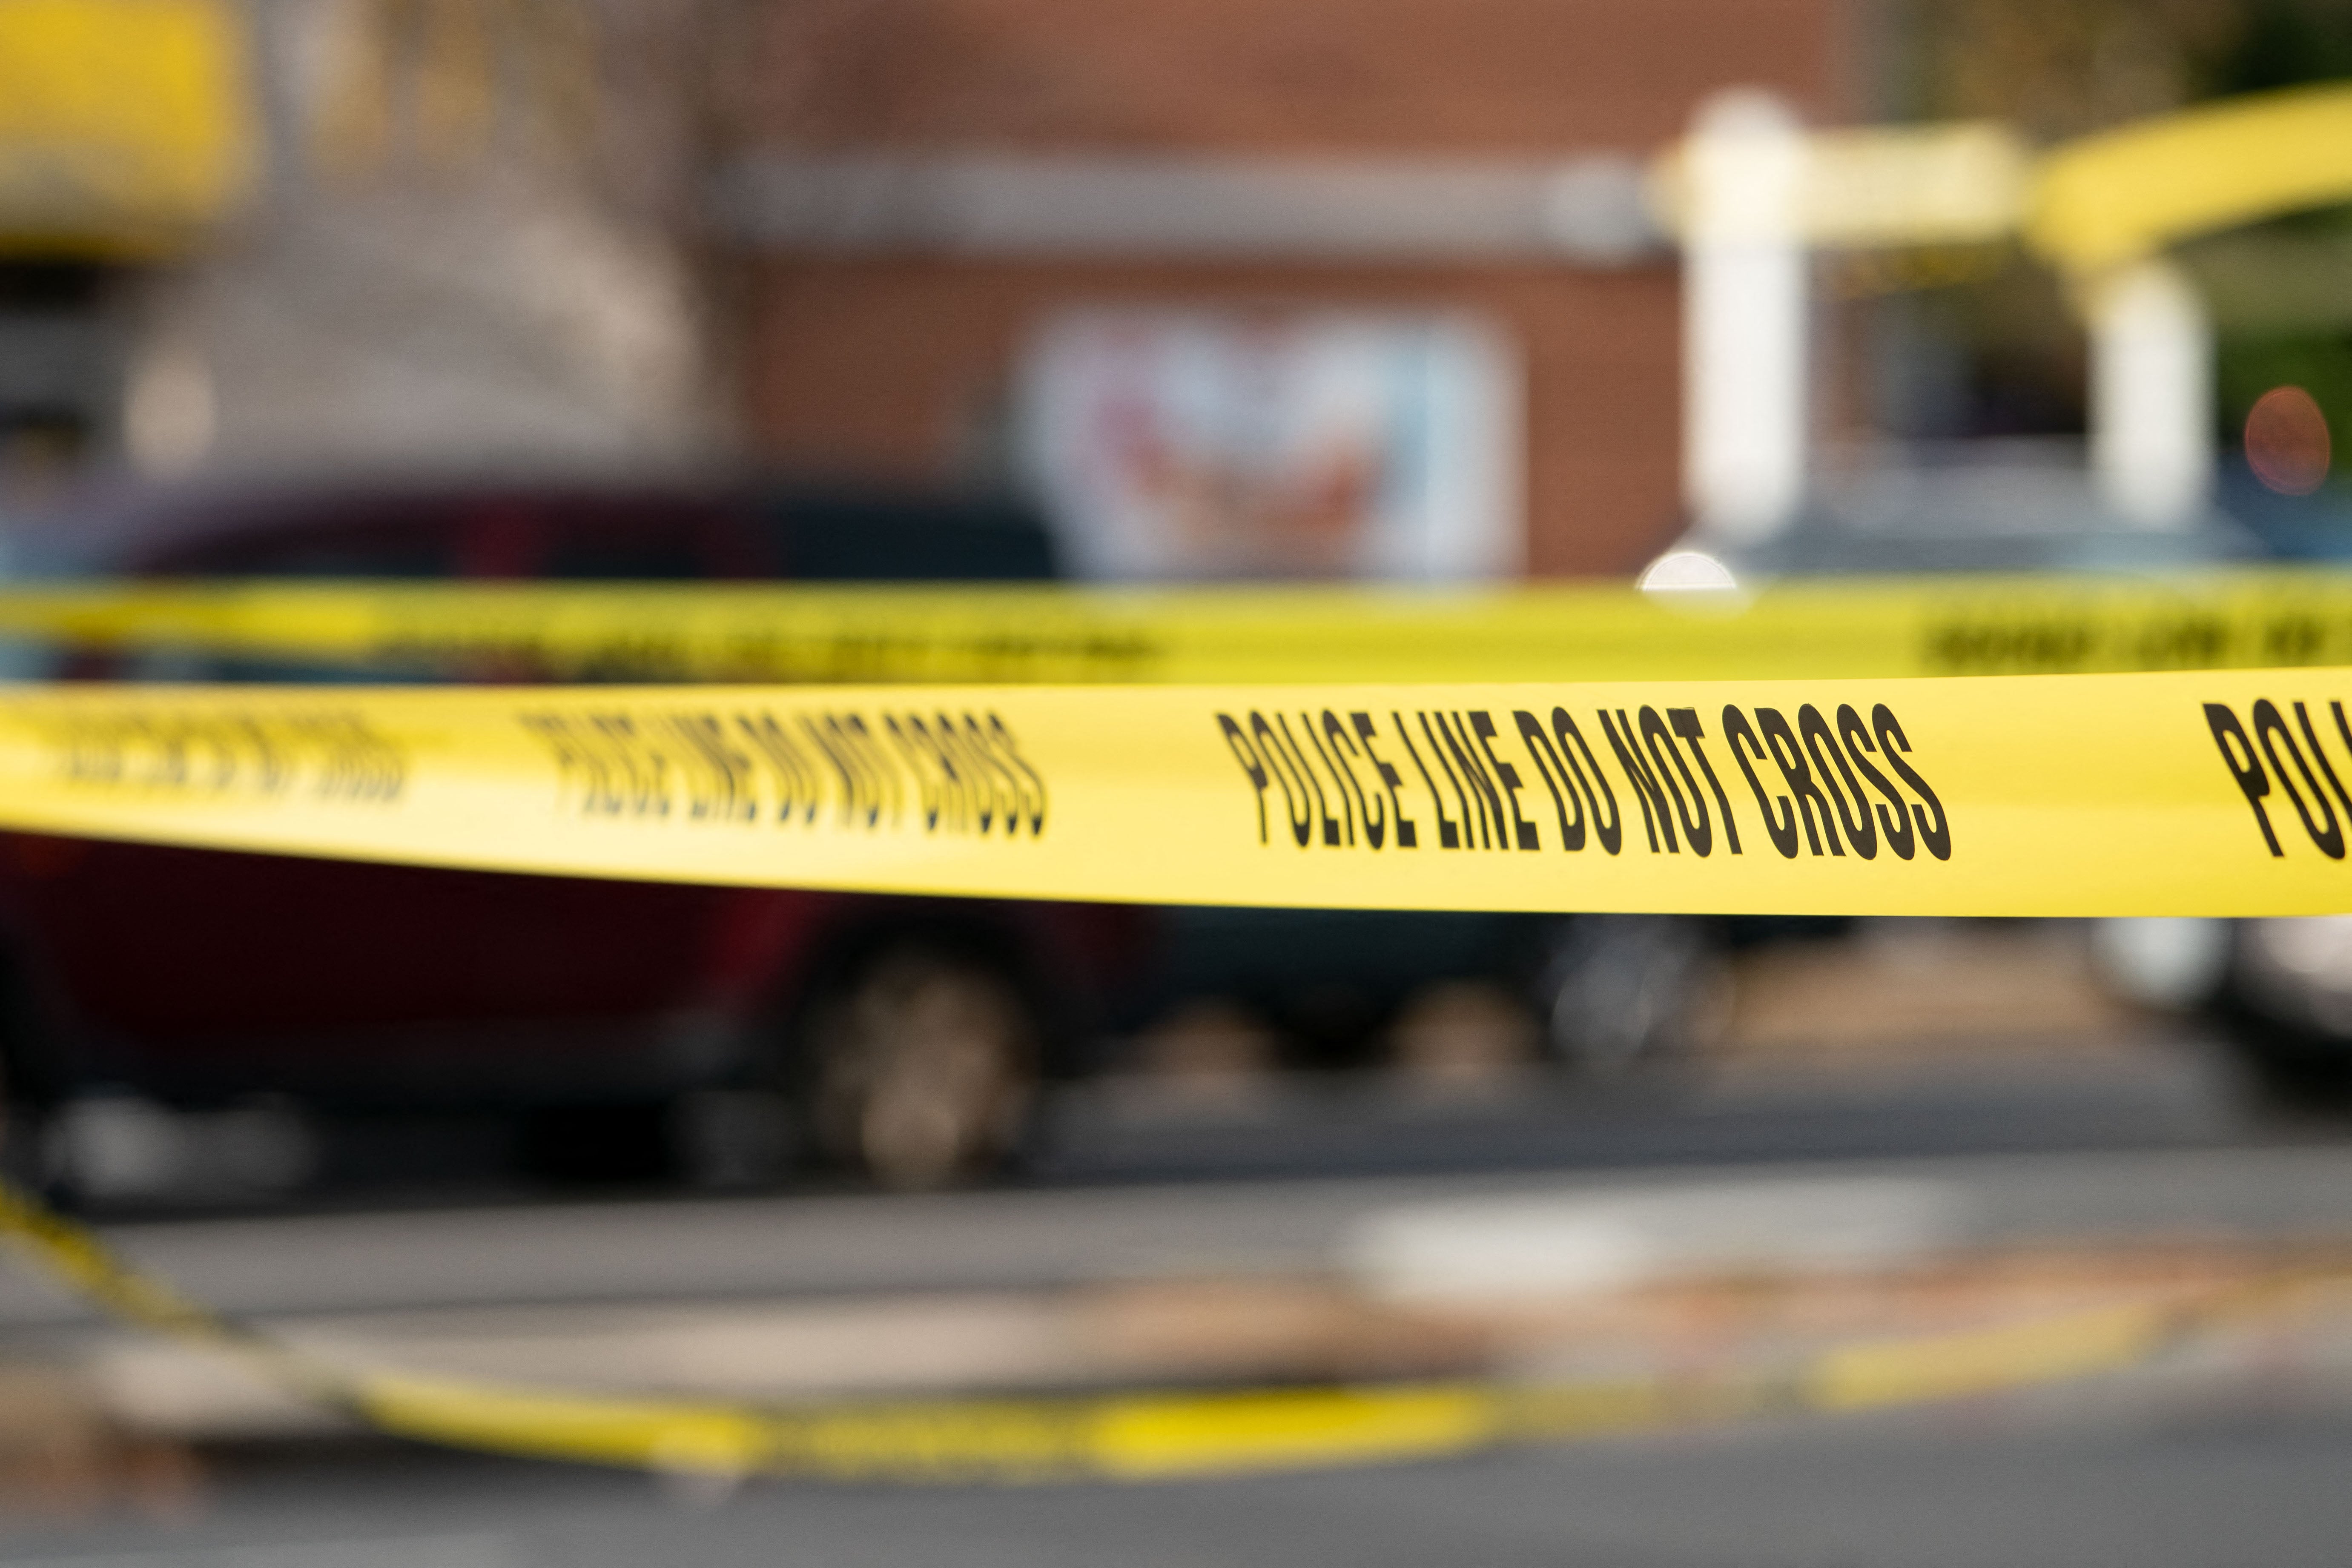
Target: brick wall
{"x": 895, "y": 365}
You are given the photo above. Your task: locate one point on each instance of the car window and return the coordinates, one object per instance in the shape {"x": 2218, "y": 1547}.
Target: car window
{"x": 417, "y": 547}
{"x": 648, "y": 553}
{"x": 849, "y": 538}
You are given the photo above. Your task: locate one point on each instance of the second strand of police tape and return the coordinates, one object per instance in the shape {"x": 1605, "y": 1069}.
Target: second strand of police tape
{"x": 1149, "y": 1436}
{"x": 1014, "y": 633}
{"x": 2219, "y": 793}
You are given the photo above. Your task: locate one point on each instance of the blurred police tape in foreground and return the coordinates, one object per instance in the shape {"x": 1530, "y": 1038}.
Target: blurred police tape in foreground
{"x": 1159, "y": 1435}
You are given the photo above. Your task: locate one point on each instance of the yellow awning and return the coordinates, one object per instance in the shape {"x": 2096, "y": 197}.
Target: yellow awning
{"x": 125, "y": 125}
{"x": 2113, "y": 197}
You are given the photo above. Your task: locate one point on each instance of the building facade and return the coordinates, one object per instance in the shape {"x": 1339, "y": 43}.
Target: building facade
{"x": 912, "y": 191}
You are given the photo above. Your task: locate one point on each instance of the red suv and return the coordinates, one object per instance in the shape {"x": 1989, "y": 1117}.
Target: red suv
{"x": 904, "y": 1037}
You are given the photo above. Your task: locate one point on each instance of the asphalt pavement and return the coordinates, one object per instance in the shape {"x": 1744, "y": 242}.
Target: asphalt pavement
{"x": 2068, "y": 1161}
{"x": 1130, "y": 1182}
{"x": 2224, "y": 1485}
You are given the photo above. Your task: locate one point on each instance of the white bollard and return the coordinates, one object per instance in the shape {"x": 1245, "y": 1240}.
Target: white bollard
{"x": 1744, "y": 318}
{"x": 2151, "y": 395}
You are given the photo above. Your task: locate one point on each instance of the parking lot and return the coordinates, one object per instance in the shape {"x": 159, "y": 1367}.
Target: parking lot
{"x": 1797, "y": 1193}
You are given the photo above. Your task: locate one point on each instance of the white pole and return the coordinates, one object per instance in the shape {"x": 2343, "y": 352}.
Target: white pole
{"x": 1744, "y": 318}
{"x": 2151, "y": 395}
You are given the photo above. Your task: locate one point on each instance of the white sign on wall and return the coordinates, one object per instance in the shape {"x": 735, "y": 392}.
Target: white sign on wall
{"x": 1197, "y": 444}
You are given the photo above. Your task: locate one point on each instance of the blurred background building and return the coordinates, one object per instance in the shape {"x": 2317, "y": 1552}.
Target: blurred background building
{"x": 1227, "y": 290}
{"x": 959, "y": 219}
{"x": 306, "y": 236}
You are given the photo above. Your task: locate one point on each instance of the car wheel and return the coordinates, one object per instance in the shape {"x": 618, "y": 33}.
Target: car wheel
{"x": 1625, "y": 993}
{"x": 2284, "y": 1007}
{"x": 19, "y": 1135}
{"x": 24, "y": 1107}
{"x": 926, "y": 1069}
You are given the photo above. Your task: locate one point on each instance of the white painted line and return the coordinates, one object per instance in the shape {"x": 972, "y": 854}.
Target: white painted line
{"x": 391, "y": 1552}
{"x": 1545, "y": 1244}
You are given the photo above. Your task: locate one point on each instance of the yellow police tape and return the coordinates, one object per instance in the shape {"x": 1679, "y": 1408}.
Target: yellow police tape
{"x": 2217, "y": 792}
{"x": 1154, "y": 1436}
{"x": 1004, "y": 634}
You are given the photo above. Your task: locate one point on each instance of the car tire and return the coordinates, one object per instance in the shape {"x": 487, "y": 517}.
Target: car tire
{"x": 1625, "y": 994}
{"x": 2285, "y": 1008}
{"x": 20, "y": 1135}
{"x": 925, "y": 1069}
{"x": 27, "y": 1096}
{"x": 2293, "y": 1072}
